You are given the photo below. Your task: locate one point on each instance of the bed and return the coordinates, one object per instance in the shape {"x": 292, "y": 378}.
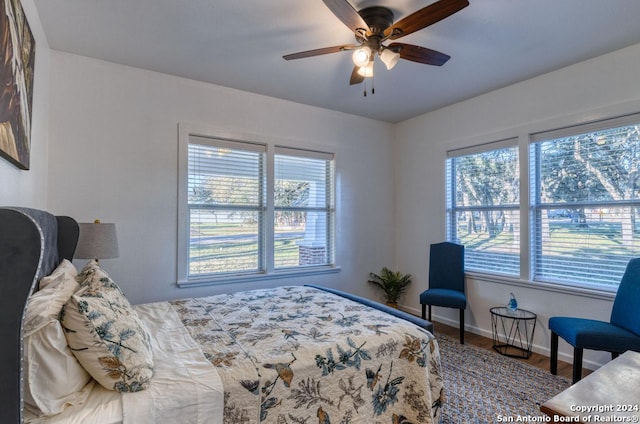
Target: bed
{"x": 287, "y": 355}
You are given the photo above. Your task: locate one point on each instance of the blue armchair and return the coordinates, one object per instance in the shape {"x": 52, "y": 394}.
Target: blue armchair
{"x": 620, "y": 334}
{"x": 446, "y": 280}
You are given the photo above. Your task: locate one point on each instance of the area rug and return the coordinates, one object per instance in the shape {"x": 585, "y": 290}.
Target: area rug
{"x": 482, "y": 386}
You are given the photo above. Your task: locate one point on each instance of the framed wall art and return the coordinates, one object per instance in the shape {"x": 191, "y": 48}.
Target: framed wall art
{"x": 17, "y": 58}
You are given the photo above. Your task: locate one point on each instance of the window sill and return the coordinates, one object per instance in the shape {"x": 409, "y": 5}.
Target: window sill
{"x": 247, "y": 278}
{"x": 600, "y": 293}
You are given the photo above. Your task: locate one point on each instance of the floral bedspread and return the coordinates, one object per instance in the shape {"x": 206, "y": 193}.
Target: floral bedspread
{"x": 294, "y": 355}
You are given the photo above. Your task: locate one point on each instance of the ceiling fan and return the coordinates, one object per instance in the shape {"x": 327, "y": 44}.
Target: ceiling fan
{"x": 374, "y": 25}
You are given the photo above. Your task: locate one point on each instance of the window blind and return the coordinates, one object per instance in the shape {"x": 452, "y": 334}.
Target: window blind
{"x": 226, "y": 201}
{"x": 585, "y": 202}
{"x": 304, "y": 208}
{"x": 483, "y": 198}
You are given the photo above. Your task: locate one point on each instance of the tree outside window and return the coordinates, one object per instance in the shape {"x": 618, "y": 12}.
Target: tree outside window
{"x": 586, "y": 199}
{"x": 483, "y": 208}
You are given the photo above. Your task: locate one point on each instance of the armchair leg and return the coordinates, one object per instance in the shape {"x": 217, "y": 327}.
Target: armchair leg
{"x": 461, "y": 326}
{"x": 577, "y": 364}
{"x": 553, "y": 357}
{"x": 424, "y": 311}
{"x": 429, "y": 312}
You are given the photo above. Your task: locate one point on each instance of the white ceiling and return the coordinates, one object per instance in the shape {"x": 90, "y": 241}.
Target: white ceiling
{"x": 240, "y": 44}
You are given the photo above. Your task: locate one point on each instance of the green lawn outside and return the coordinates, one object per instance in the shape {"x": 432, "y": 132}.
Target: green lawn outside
{"x": 603, "y": 237}
{"x": 225, "y": 247}
{"x": 563, "y": 257}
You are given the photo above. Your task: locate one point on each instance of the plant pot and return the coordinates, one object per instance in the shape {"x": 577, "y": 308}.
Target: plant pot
{"x": 393, "y": 304}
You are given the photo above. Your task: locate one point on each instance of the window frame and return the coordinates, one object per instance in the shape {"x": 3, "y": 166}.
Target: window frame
{"x": 525, "y": 136}
{"x": 328, "y": 208}
{"x": 451, "y": 209}
{"x": 537, "y": 207}
{"x": 188, "y": 130}
{"x": 259, "y": 207}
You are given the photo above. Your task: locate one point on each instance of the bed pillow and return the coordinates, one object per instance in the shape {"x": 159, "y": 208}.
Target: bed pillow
{"x": 54, "y": 378}
{"x": 63, "y": 270}
{"x": 105, "y": 333}
{"x": 96, "y": 277}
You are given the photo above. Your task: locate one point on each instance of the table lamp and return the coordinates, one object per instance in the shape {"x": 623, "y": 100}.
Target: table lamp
{"x": 97, "y": 241}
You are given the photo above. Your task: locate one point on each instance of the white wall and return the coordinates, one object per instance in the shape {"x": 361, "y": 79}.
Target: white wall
{"x": 603, "y": 87}
{"x": 113, "y": 156}
{"x": 29, "y": 187}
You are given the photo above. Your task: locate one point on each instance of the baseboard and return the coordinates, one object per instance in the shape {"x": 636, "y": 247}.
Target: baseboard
{"x": 542, "y": 350}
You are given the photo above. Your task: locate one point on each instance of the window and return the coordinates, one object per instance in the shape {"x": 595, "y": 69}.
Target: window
{"x": 226, "y": 201}
{"x": 483, "y": 201}
{"x": 303, "y": 199}
{"x": 585, "y": 195}
{"x": 253, "y": 209}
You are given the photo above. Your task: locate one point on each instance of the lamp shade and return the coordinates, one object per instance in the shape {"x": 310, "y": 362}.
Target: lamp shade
{"x": 361, "y": 56}
{"x": 97, "y": 241}
{"x": 366, "y": 71}
{"x": 389, "y": 58}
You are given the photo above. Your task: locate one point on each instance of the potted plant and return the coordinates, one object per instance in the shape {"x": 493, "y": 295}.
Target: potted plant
{"x": 392, "y": 283}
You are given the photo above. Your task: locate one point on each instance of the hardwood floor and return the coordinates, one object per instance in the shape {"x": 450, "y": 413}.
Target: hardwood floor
{"x": 536, "y": 359}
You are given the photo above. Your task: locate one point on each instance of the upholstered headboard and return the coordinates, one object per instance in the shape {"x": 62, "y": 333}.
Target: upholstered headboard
{"x": 32, "y": 244}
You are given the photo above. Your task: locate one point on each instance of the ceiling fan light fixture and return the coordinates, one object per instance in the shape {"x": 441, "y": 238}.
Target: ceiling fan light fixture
{"x": 389, "y": 58}
{"x": 374, "y": 25}
{"x": 366, "y": 71}
{"x": 361, "y": 56}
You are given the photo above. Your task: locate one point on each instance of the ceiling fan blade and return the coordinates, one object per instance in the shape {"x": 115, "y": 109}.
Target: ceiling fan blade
{"x": 356, "y": 78}
{"x": 347, "y": 14}
{"x": 424, "y": 17}
{"x": 318, "y": 52}
{"x": 419, "y": 54}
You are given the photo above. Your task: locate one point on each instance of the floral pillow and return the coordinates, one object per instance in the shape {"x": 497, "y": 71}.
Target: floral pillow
{"x": 105, "y": 333}
{"x": 97, "y": 278}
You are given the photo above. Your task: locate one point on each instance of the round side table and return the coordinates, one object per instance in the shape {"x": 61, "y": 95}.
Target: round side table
{"x": 512, "y": 331}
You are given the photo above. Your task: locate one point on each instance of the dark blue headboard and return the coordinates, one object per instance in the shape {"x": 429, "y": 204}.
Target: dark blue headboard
{"x": 32, "y": 244}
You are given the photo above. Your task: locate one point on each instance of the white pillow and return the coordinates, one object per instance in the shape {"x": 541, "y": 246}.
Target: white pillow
{"x": 54, "y": 378}
{"x": 106, "y": 335}
{"x": 65, "y": 268}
